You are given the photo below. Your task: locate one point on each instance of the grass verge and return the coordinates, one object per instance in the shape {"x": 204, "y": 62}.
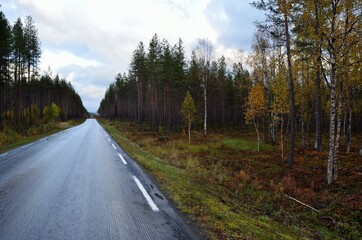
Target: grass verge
{"x": 219, "y": 216}
{"x": 19, "y": 140}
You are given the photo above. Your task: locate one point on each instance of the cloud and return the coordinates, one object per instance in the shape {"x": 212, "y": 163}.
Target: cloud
{"x": 62, "y": 58}
{"x": 234, "y": 22}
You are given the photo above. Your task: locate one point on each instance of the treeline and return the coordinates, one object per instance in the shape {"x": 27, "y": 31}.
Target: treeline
{"x": 157, "y": 82}
{"x": 24, "y": 94}
{"x": 306, "y": 78}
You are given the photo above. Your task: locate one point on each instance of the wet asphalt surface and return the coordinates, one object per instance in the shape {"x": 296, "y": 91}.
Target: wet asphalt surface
{"x": 78, "y": 184}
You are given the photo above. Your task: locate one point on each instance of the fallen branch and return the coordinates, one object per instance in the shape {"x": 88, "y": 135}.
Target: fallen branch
{"x": 302, "y": 203}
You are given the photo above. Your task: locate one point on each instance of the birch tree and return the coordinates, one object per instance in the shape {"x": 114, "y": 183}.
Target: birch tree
{"x": 256, "y": 108}
{"x": 280, "y": 106}
{"x": 204, "y": 54}
{"x": 340, "y": 33}
{"x": 279, "y": 25}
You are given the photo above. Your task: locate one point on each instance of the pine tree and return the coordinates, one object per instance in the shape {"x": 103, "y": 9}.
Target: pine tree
{"x": 18, "y": 58}
{"x": 32, "y": 46}
{"x": 5, "y": 48}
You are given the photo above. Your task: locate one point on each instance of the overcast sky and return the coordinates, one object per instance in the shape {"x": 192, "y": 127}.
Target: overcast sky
{"x": 89, "y": 41}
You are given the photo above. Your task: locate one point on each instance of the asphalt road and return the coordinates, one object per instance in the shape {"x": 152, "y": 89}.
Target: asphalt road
{"x": 78, "y": 184}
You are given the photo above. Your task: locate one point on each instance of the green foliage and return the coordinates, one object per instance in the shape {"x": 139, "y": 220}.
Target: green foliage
{"x": 188, "y": 109}
{"x": 244, "y": 145}
{"x": 256, "y": 103}
{"x": 8, "y": 136}
{"x": 51, "y": 113}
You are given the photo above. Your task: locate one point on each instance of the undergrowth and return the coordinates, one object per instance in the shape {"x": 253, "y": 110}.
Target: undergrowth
{"x": 235, "y": 192}
{"x": 10, "y": 138}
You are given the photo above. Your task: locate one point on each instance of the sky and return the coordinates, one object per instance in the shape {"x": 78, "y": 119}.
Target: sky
{"x": 88, "y": 42}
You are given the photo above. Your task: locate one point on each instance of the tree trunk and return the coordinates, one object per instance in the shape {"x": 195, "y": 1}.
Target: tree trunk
{"x": 273, "y": 129}
{"x": 291, "y": 91}
{"x": 349, "y": 131}
{"x": 257, "y": 133}
{"x": 318, "y": 138}
{"x": 332, "y": 123}
{"x": 189, "y": 130}
{"x": 281, "y": 136}
{"x": 205, "y": 108}
{"x": 339, "y": 116}
{"x": 302, "y": 123}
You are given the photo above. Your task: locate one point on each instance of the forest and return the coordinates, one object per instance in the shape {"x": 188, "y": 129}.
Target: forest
{"x": 27, "y": 98}
{"x": 302, "y": 79}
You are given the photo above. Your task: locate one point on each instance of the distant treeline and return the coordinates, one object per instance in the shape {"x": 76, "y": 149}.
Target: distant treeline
{"x": 157, "y": 82}
{"x": 24, "y": 93}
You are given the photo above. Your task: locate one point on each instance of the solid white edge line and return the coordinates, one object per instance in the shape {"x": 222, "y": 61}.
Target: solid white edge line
{"x": 121, "y": 157}
{"x": 145, "y": 194}
{"x": 27, "y": 145}
{"x": 114, "y": 146}
{"x": 2, "y": 155}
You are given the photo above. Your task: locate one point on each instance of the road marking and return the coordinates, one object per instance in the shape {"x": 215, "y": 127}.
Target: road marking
{"x": 145, "y": 194}
{"x": 42, "y": 139}
{"x": 109, "y": 139}
{"x": 27, "y": 145}
{"x": 121, "y": 157}
{"x": 2, "y": 155}
{"x": 114, "y": 146}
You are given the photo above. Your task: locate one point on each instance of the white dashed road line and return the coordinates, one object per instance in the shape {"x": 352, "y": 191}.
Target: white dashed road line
{"x": 121, "y": 157}
{"x": 2, "y": 155}
{"x": 114, "y": 146}
{"x": 146, "y": 195}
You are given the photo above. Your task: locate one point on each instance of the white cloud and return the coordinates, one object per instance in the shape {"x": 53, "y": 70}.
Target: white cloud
{"x": 61, "y": 58}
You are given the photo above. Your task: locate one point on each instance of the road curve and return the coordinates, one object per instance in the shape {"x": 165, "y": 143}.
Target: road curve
{"x": 78, "y": 184}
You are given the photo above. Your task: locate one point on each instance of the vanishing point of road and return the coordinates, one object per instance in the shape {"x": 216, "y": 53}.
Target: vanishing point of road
{"x": 79, "y": 184}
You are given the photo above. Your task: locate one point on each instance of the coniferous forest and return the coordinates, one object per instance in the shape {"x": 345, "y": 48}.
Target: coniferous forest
{"x": 302, "y": 79}
{"x": 28, "y": 98}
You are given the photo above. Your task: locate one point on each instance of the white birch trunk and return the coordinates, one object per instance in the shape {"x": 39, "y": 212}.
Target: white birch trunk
{"x": 332, "y": 124}
{"x": 339, "y": 116}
